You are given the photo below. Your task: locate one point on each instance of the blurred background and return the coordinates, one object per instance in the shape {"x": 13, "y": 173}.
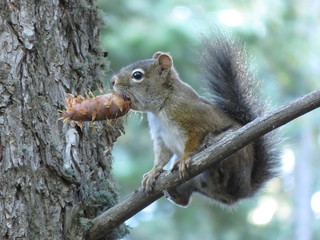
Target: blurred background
{"x": 282, "y": 38}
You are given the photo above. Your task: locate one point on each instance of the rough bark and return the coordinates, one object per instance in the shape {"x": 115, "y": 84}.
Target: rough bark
{"x": 53, "y": 177}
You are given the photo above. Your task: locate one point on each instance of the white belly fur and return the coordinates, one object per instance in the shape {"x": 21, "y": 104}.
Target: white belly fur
{"x": 171, "y": 135}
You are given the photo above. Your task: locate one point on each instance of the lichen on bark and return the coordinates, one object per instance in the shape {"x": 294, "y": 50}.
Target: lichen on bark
{"x": 51, "y": 181}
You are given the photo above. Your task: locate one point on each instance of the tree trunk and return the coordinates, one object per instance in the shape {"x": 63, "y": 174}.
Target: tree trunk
{"x": 54, "y": 177}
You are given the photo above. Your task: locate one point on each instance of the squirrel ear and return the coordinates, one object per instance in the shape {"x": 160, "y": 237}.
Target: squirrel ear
{"x": 156, "y": 55}
{"x": 165, "y": 61}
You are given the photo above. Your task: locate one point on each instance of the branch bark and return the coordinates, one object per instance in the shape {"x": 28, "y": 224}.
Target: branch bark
{"x": 139, "y": 199}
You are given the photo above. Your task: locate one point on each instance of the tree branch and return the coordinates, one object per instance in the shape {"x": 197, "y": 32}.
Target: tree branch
{"x": 139, "y": 199}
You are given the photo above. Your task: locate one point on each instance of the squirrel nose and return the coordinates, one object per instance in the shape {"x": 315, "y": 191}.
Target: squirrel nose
{"x": 113, "y": 81}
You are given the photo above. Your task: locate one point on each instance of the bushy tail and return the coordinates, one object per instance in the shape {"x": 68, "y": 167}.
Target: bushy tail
{"x": 228, "y": 80}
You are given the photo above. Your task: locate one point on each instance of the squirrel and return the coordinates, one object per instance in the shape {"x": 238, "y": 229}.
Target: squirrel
{"x": 181, "y": 121}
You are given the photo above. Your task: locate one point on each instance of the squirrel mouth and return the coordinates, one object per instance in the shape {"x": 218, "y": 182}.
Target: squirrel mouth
{"x": 123, "y": 94}
{"x": 127, "y": 98}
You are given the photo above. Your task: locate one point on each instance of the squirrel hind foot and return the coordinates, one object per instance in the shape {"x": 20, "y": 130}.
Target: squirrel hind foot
{"x": 179, "y": 198}
{"x": 181, "y": 195}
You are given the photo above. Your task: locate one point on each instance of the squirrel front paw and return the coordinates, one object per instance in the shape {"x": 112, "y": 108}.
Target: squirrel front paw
{"x": 182, "y": 165}
{"x": 149, "y": 179}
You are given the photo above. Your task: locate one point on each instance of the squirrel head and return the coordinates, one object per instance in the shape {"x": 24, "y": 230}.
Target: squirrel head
{"x": 147, "y": 83}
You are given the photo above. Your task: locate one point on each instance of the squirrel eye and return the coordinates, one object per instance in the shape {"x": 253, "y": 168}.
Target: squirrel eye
{"x": 137, "y": 75}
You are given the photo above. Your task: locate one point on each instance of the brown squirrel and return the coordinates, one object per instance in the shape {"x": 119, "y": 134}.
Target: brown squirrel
{"x": 180, "y": 120}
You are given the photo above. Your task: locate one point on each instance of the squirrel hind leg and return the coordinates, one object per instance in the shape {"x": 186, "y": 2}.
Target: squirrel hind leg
{"x": 180, "y": 195}
{"x": 229, "y": 181}
{"x": 208, "y": 186}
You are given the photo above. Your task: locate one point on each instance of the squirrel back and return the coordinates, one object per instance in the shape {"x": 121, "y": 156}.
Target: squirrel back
{"x": 233, "y": 90}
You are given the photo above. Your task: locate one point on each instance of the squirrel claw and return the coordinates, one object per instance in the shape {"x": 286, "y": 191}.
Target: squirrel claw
{"x": 175, "y": 166}
{"x": 182, "y": 166}
{"x": 149, "y": 179}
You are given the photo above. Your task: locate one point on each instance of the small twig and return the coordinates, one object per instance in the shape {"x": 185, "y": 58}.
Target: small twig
{"x": 138, "y": 200}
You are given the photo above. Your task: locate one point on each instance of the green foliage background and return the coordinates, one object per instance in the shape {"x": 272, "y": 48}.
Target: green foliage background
{"x": 283, "y": 39}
